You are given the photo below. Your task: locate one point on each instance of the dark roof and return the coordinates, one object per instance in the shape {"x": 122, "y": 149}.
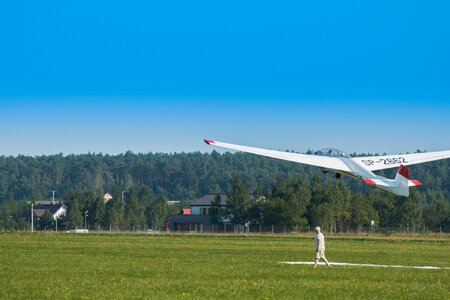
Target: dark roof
{"x": 40, "y": 209}
{"x": 51, "y": 207}
{"x": 38, "y": 212}
{"x": 45, "y": 202}
{"x": 207, "y": 199}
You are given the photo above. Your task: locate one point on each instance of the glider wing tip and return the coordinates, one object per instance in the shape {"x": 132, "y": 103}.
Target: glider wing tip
{"x": 369, "y": 181}
{"x": 416, "y": 182}
{"x": 209, "y": 142}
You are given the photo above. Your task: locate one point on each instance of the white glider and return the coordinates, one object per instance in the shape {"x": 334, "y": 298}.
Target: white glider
{"x": 357, "y": 167}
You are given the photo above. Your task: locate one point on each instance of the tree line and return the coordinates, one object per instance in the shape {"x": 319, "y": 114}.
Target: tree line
{"x": 186, "y": 176}
{"x": 139, "y": 209}
{"x": 300, "y": 203}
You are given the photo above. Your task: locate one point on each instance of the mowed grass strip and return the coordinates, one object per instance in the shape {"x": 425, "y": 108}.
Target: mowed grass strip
{"x": 177, "y": 266}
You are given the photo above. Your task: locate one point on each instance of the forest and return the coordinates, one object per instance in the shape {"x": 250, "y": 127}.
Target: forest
{"x": 294, "y": 194}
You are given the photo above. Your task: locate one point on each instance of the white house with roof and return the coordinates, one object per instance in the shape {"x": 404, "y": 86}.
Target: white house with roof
{"x": 107, "y": 197}
{"x": 57, "y": 210}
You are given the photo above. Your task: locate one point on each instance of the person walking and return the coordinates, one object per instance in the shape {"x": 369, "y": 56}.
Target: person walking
{"x": 320, "y": 248}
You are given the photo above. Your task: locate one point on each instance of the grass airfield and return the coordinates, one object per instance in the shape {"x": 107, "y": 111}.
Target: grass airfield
{"x": 195, "y": 266}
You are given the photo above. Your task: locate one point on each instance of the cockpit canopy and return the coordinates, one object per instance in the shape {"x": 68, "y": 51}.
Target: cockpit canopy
{"x": 331, "y": 152}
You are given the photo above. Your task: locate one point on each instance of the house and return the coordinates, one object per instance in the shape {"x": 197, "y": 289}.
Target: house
{"x": 202, "y": 205}
{"x": 197, "y": 217}
{"x": 56, "y": 210}
{"x": 107, "y": 197}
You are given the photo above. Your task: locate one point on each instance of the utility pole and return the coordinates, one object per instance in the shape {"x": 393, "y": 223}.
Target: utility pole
{"x": 85, "y": 216}
{"x": 123, "y": 203}
{"x": 53, "y": 197}
{"x": 32, "y": 218}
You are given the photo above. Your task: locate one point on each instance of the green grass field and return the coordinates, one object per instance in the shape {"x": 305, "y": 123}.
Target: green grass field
{"x": 188, "y": 266}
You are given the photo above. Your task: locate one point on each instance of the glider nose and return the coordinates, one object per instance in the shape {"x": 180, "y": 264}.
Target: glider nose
{"x": 209, "y": 142}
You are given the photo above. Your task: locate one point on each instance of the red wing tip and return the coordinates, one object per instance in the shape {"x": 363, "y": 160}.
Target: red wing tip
{"x": 416, "y": 182}
{"x": 209, "y": 142}
{"x": 369, "y": 181}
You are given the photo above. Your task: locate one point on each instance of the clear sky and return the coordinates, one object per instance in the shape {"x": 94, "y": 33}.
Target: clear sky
{"x": 110, "y": 76}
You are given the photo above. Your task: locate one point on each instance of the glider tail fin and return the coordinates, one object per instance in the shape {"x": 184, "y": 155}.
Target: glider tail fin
{"x": 403, "y": 182}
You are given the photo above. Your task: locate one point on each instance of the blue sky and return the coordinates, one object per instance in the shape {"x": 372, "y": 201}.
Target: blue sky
{"x": 111, "y": 76}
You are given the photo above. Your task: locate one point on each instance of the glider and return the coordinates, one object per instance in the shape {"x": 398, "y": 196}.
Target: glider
{"x": 361, "y": 168}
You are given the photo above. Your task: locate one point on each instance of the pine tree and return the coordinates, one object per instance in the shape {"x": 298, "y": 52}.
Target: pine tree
{"x": 114, "y": 212}
{"x": 409, "y": 211}
{"x": 46, "y": 222}
{"x": 215, "y": 210}
{"x": 238, "y": 202}
{"x": 134, "y": 213}
{"x": 74, "y": 217}
{"x": 159, "y": 211}
{"x": 362, "y": 211}
{"x": 98, "y": 211}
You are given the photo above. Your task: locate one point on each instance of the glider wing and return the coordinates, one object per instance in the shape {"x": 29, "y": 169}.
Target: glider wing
{"x": 374, "y": 163}
{"x": 326, "y": 162}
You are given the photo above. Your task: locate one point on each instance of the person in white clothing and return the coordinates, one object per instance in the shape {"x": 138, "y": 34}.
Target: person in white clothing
{"x": 320, "y": 248}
